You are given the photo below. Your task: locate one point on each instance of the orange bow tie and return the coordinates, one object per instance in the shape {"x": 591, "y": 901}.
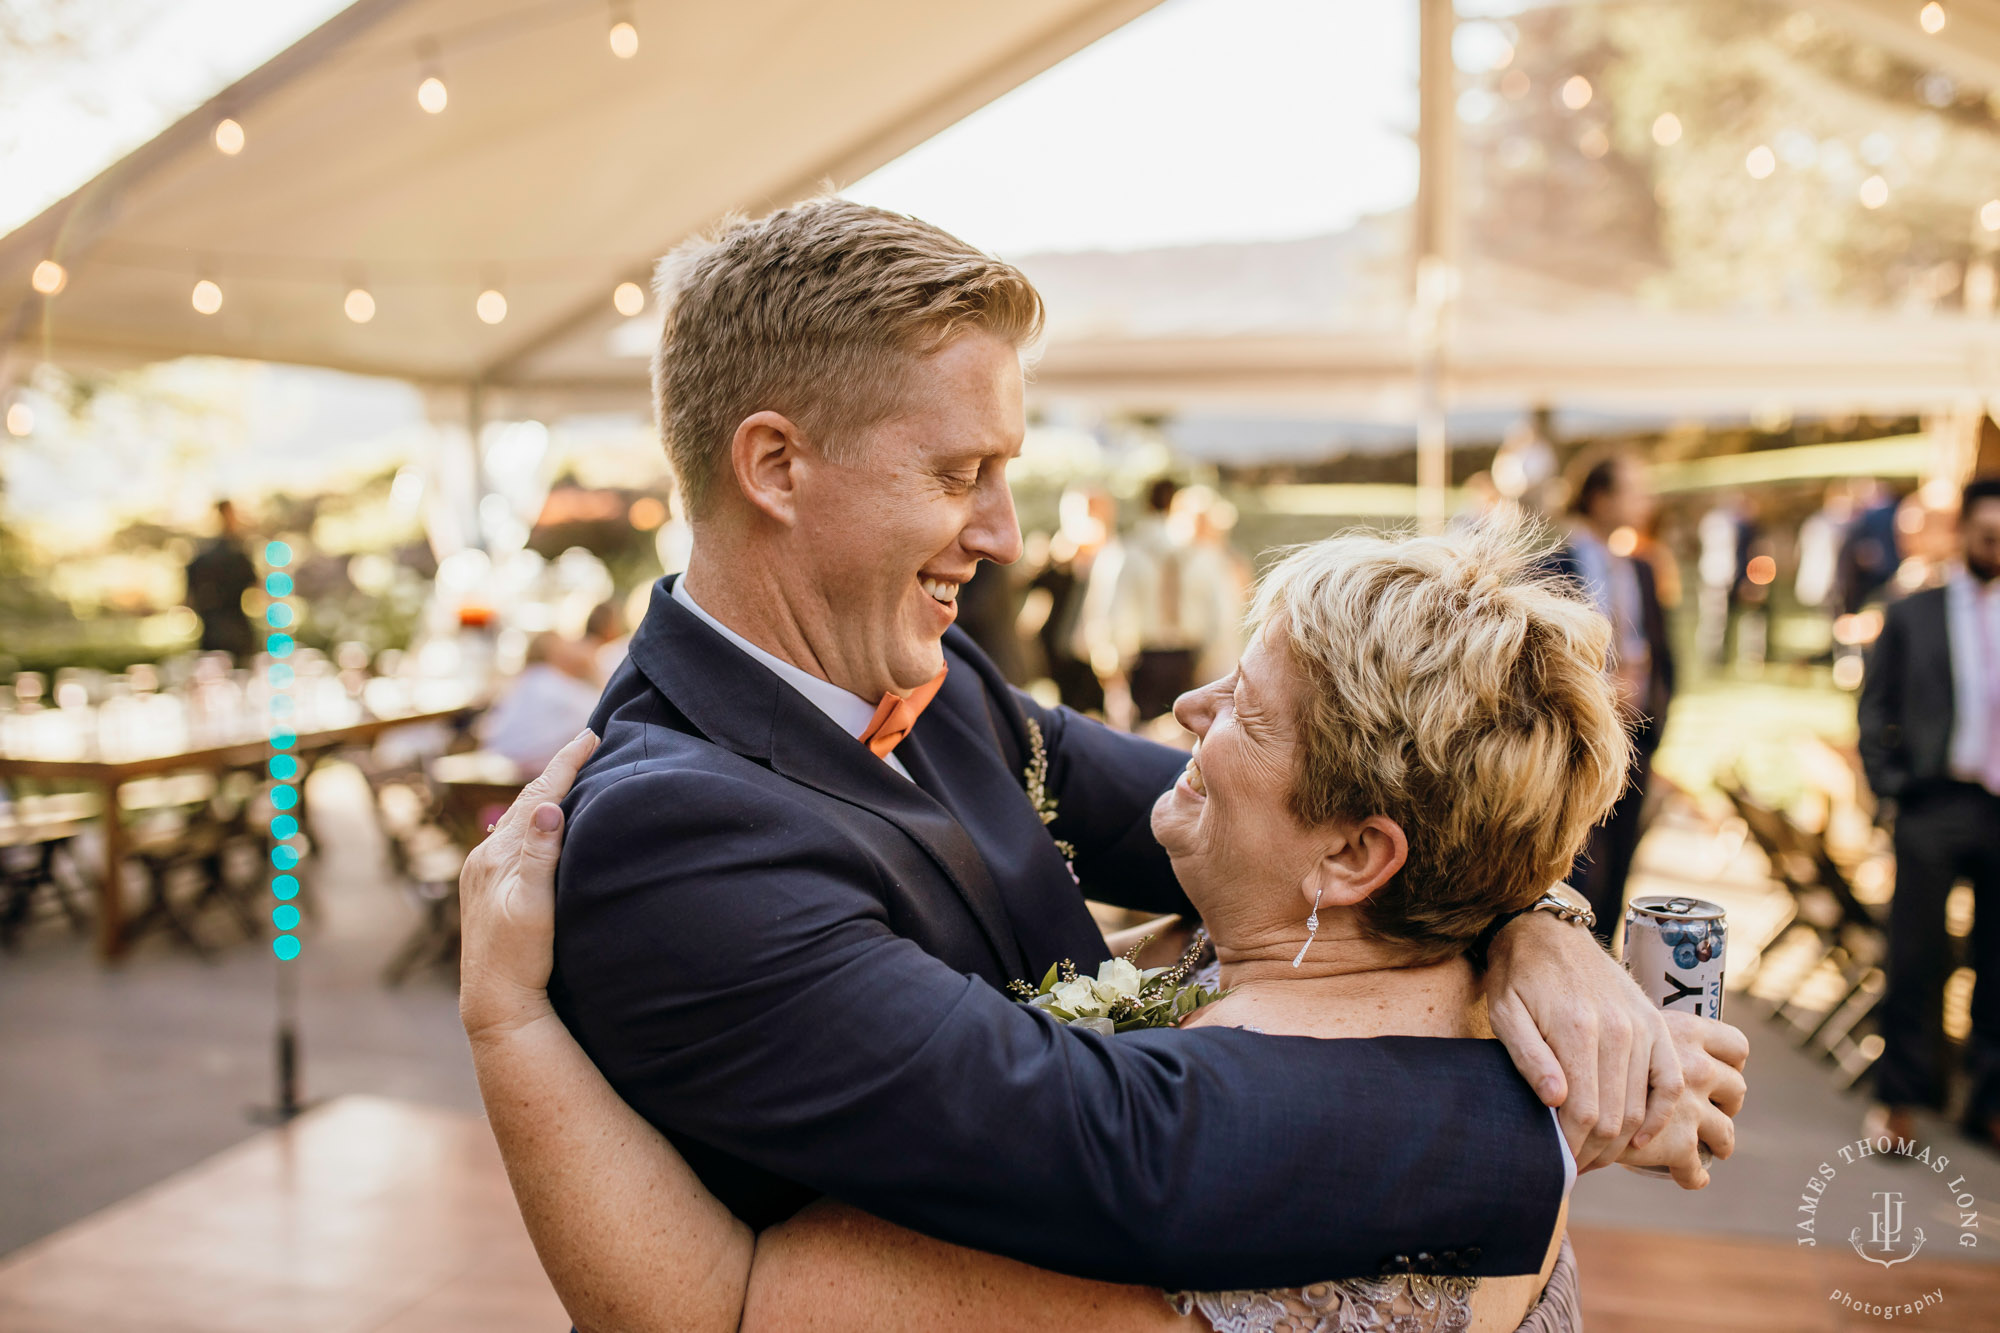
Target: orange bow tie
{"x": 897, "y": 713}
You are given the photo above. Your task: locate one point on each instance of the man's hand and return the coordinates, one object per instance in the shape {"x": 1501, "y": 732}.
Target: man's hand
{"x": 1584, "y": 1036}
{"x": 507, "y": 904}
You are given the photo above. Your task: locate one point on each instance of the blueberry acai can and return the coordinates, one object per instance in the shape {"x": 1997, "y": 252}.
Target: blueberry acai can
{"x": 1674, "y": 949}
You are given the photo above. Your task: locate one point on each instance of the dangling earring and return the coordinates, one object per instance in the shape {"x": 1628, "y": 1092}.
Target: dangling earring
{"x": 1312, "y": 928}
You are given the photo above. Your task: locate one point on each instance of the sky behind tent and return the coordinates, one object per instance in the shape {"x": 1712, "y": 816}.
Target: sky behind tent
{"x": 1205, "y": 120}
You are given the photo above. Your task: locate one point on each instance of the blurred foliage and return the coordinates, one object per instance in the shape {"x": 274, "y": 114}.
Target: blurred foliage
{"x": 1588, "y": 194}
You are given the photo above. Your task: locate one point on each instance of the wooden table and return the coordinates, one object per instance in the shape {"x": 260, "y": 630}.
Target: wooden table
{"x": 110, "y": 775}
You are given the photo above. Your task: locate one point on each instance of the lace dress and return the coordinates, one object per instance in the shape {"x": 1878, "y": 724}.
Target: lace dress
{"x": 1406, "y": 1303}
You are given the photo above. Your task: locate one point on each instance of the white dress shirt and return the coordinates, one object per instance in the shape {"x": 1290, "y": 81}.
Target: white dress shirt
{"x": 1972, "y": 626}
{"x": 850, "y": 712}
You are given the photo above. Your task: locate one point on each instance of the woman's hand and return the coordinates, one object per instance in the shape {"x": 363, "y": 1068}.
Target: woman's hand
{"x": 507, "y": 902}
{"x": 1712, "y": 1056}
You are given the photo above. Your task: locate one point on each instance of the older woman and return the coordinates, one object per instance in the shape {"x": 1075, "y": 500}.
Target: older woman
{"x": 1417, "y": 740}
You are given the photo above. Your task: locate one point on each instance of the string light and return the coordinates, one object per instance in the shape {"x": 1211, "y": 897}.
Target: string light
{"x": 491, "y": 306}
{"x": 624, "y": 39}
{"x": 207, "y": 297}
{"x": 1989, "y": 215}
{"x": 49, "y": 277}
{"x": 1874, "y": 192}
{"x": 1931, "y": 18}
{"x": 1760, "y": 162}
{"x": 629, "y": 298}
{"x": 1667, "y": 130}
{"x": 359, "y": 305}
{"x": 20, "y": 419}
{"x": 228, "y": 137}
{"x": 431, "y": 94}
{"x": 1576, "y": 92}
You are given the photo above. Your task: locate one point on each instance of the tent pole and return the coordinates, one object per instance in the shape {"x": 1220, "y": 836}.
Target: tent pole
{"x": 475, "y": 422}
{"x": 1435, "y": 249}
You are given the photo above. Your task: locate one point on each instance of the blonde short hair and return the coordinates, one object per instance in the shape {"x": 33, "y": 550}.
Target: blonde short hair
{"x": 816, "y": 312}
{"x": 1454, "y": 686}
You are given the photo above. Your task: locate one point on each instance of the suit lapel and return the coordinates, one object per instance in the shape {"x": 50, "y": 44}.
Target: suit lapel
{"x": 813, "y": 751}
{"x": 739, "y": 704}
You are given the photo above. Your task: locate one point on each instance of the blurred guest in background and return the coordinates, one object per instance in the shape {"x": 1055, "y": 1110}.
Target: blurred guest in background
{"x": 1822, "y": 538}
{"x": 1716, "y": 568}
{"x": 988, "y": 608}
{"x": 1610, "y": 503}
{"x": 1930, "y": 742}
{"x": 1868, "y": 555}
{"x": 1145, "y": 609}
{"x": 543, "y": 708}
{"x": 218, "y": 576}
{"x": 605, "y": 639}
{"x": 1088, "y": 518}
{"x": 1218, "y": 579}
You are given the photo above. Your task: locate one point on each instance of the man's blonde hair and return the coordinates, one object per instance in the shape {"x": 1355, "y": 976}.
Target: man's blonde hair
{"x": 816, "y": 312}
{"x": 1455, "y": 687}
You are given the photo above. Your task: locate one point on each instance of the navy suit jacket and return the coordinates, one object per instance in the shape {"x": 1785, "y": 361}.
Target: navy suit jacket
{"x": 1659, "y": 645}
{"x": 790, "y": 959}
{"x": 1908, "y": 697}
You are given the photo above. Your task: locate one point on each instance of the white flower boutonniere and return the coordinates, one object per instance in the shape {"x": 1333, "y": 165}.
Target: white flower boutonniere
{"x": 1123, "y": 995}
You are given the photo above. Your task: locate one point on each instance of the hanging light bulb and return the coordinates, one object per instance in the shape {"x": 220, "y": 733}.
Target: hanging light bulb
{"x": 492, "y": 306}
{"x": 49, "y": 277}
{"x": 359, "y": 305}
{"x": 629, "y": 298}
{"x": 228, "y": 137}
{"x": 1931, "y": 18}
{"x": 624, "y": 39}
{"x": 20, "y": 419}
{"x": 431, "y": 94}
{"x": 207, "y": 297}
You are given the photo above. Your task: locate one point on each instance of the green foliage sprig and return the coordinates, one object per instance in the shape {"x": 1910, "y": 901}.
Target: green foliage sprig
{"x": 1122, "y": 996}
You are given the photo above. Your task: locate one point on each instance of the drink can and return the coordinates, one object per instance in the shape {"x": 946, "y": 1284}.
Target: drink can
{"x": 1675, "y": 949}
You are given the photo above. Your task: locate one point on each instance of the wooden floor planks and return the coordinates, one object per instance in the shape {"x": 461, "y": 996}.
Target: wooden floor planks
{"x": 374, "y": 1216}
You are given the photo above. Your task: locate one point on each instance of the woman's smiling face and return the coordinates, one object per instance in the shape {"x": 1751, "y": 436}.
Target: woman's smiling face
{"x": 1227, "y": 822}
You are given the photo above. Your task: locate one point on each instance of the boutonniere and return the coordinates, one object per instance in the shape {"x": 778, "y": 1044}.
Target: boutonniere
{"x": 1122, "y": 996}
{"x": 1035, "y": 777}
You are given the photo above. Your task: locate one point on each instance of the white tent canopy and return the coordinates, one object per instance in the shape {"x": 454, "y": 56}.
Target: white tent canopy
{"x": 1691, "y": 365}
{"x": 556, "y": 171}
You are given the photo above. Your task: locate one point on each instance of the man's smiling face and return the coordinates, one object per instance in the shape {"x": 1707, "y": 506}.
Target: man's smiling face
{"x": 892, "y": 535}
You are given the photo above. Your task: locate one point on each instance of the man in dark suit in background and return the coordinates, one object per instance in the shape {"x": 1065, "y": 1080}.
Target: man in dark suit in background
{"x": 1610, "y": 504}
{"x": 218, "y": 576}
{"x": 1930, "y": 741}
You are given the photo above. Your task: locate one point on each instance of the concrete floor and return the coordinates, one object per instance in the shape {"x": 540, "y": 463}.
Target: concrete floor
{"x": 113, "y": 1079}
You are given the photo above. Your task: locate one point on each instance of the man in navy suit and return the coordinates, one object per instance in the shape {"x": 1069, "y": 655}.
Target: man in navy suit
{"x": 802, "y": 864}
{"x": 1930, "y": 742}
